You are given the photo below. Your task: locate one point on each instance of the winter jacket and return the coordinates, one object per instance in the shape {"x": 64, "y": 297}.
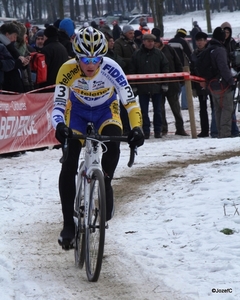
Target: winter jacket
{"x": 125, "y": 49}
{"x": 145, "y": 61}
{"x": 55, "y": 55}
{"x": 116, "y": 32}
{"x": 65, "y": 40}
{"x": 219, "y": 59}
{"x": 182, "y": 48}
{"x": 6, "y": 62}
{"x": 12, "y": 80}
{"x": 174, "y": 66}
{"x": 230, "y": 44}
{"x": 111, "y": 54}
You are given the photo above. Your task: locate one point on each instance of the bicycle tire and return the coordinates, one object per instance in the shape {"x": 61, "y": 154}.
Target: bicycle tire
{"x": 95, "y": 232}
{"x": 79, "y": 247}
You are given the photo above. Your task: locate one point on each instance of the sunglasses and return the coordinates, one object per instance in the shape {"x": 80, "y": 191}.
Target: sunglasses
{"x": 87, "y": 60}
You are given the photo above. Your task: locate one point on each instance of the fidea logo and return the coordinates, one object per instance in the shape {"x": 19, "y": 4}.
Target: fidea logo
{"x": 116, "y": 74}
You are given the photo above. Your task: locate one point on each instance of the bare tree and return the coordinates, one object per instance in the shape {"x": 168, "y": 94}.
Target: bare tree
{"x": 208, "y": 16}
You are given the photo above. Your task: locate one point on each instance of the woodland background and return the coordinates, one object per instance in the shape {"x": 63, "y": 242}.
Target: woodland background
{"x": 47, "y": 11}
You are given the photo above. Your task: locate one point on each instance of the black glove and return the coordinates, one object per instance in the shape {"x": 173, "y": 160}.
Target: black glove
{"x": 135, "y": 137}
{"x": 63, "y": 132}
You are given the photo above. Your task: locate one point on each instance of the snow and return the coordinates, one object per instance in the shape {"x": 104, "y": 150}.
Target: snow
{"x": 165, "y": 240}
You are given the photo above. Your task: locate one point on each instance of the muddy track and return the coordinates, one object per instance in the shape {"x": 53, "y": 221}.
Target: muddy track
{"x": 140, "y": 178}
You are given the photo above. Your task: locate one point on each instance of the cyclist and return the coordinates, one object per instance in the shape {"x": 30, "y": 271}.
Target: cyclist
{"x": 86, "y": 88}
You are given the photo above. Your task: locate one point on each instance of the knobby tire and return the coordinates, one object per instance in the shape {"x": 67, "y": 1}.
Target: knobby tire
{"x": 95, "y": 233}
{"x": 79, "y": 248}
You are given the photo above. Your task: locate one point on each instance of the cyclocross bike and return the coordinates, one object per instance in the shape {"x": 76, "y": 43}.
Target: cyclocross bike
{"x": 90, "y": 202}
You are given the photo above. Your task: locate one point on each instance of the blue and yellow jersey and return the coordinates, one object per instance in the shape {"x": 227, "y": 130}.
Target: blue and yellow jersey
{"x": 90, "y": 94}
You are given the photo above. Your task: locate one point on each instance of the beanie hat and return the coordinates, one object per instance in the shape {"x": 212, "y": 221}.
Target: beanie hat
{"x": 201, "y": 35}
{"x": 219, "y": 34}
{"x": 57, "y": 22}
{"x": 40, "y": 33}
{"x": 181, "y": 32}
{"x": 195, "y": 23}
{"x": 156, "y": 31}
{"x": 127, "y": 28}
{"x": 137, "y": 33}
{"x": 51, "y": 31}
{"x": 67, "y": 25}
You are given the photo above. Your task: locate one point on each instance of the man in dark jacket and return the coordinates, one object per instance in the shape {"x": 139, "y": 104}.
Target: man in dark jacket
{"x": 201, "y": 93}
{"x": 184, "y": 52}
{"x": 124, "y": 47}
{"x": 221, "y": 85}
{"x": 55, "y": 55}
{"x": 150, "y": 60}
{"x": 174, "y": 88}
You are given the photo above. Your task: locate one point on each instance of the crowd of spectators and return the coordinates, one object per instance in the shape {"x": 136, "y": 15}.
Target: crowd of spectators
{"x": 136, "y": 51}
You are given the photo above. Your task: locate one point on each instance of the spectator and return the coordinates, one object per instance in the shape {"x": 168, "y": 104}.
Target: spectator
{"x": 143, "y": 27}
{"x": 221, "y": 85}
{"x": 12, "y": 79}
{"x": 116, "y": 30}
{"x": 193, "y": 32}
{"x": 125, "y": 47}
{"x": 32, "y": 34}
{"x": 150, "y": 60}
{"x": 138, "y": 38}
{"x": 55, "y": 55}
{"x": 110, "y": 53}
{"x": 22, "y": 47}
{"x": 184, "y": 51}
{"x": 201, "y": 93}
{"x": 230, "y": 44}
{"x": 174, "y": 88}
{"x": 39, "y": 41}
{"x": 57, "y": 23}
{"x": 65, "y": 35}
{"x": 6, "y": 62}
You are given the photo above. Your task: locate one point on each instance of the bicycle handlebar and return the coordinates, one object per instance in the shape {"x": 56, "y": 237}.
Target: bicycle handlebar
{"x": 103, "y": 138}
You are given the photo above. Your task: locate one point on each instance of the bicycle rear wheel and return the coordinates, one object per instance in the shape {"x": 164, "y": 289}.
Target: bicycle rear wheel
{"x": 95, "y": 233}
{"x": 79, "y": 247}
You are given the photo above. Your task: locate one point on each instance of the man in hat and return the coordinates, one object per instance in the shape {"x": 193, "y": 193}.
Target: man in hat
{"x": 125, "y": 47}
{"x": 39, "y": 41}
{"x": 222, "y": 85}
{"x": 201, "y": 93}
{"x": 150, "y": 60}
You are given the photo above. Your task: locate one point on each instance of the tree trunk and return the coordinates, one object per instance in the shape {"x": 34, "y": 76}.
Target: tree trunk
{"x": 61, "y": 9}
{"x": 208, "y": 16}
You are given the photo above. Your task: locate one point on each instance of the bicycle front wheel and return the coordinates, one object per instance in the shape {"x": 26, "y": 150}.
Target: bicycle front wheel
{"x": 79, "y": 247}
{"x": 95, "y": 232}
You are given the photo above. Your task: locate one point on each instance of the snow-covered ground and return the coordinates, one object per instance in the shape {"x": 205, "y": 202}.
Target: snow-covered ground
{"x": 165, "y": 240}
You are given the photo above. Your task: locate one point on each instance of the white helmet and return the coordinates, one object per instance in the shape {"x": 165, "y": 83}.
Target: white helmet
{"x": 90, "y": 42}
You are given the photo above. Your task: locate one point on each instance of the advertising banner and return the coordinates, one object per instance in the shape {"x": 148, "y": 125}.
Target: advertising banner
{"x": 25, "y": 122}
